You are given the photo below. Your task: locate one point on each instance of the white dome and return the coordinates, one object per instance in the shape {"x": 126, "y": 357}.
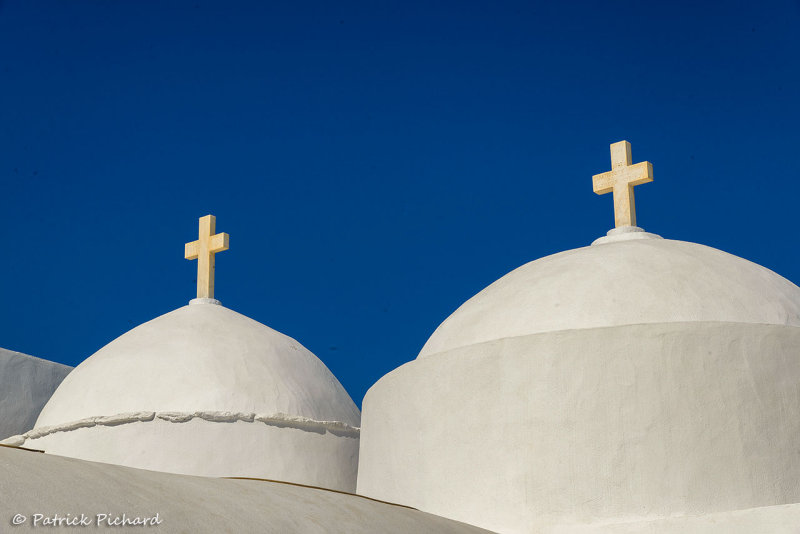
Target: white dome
{"x": 618, "y": 283}
{"x": 201, "y": 357}
{"x": 610, "y": 388}
{"x": 206, "y": 391}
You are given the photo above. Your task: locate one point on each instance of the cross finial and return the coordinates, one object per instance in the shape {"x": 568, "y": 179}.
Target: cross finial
{"x": 203, "y": 250}
{"x": 622, "y": 178}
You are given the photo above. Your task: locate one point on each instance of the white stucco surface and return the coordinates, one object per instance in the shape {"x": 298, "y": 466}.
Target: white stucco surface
{"x": 204, "y": 390}
{"x": 618, "y": 283}
{"x": 201, "y": 357}
{"x": 276, "y": 450}
{"x": 781, "y": 519}
{"x": 26, "y": 384}
{"x": 581, "y": 430}
{"x": 40, "y": 483}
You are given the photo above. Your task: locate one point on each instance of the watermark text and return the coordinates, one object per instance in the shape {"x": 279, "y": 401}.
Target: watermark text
{"x": 84, "y": 520}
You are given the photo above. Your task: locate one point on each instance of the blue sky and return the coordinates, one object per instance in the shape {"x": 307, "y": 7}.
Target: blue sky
{"x": 375, "y": 163}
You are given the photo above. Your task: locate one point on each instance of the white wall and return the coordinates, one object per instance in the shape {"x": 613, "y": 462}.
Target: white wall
{"x": 584, "y": 427}
{"x": 26, "y": 384}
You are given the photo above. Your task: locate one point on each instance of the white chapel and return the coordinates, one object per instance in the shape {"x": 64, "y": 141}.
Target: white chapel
{"x": 635, "y": 385}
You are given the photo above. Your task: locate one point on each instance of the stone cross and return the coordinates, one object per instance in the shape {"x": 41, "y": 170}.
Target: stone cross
{"x": 622, "y": 178}
{"x": 203, "y": 250}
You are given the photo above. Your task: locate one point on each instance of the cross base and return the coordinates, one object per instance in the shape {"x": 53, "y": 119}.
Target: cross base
{"x": 196, "y": 301}
{"x": 625, "y": 233}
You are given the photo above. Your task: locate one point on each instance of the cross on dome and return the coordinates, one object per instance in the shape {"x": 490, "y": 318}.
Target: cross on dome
{"x": 621, "y": 180}
{"x": 203, "y": 250}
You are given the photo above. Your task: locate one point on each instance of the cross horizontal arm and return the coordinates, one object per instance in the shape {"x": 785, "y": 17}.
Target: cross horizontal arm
{"x": 638, "y": 173}
{"x": 603, "y": 183}
{"x": 218, "y": 243}
{"x": 191, "y": 250}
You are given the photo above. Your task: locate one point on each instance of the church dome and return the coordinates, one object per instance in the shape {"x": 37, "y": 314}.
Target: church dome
{"x": 608, "y": 388}
{"x": 622, "y": 279}
{"x": 201, "y": 357}
{"x": 630, "y": 381}
{"x": 206, "y": 391}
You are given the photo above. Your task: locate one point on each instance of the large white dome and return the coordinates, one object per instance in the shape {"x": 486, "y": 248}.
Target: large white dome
{"x": 609, "y": 388}
{"x": 622, "y": 282}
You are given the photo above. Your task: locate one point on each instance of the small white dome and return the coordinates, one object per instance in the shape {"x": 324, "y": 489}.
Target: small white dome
{"x": 201, "y": 357}
{"x": 621, "y": 283}
{"x": 206, "y": 391}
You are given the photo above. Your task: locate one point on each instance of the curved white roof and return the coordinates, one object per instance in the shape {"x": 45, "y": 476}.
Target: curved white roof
{"x": 33, "y": 482}
{"x": 201, "y": 357}
{"x": 619, "y": 283}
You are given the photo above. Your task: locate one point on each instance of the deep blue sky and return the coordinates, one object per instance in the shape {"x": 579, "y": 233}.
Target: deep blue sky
{"x": 375, "y": 163}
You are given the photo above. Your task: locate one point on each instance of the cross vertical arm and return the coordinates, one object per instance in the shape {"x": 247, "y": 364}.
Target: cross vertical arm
{"x": 204, "y": 250}
{"x": 621, "y": 180}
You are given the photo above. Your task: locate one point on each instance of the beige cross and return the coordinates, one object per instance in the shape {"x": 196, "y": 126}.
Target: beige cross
{"x": 622, "y": 178}
{"x": 203, "y": 251}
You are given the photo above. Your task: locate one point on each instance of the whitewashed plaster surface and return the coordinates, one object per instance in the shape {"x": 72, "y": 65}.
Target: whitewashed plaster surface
{"x": 26, "y": 383}
{"x": 221, "y": 394}
{"x": 583, "y": 429}
{"x": 213, "y": 444}
{"x": 201, "y": 357}
{"x": 40, "y": 483}
{"x": 782, "y": 519}
{"x": 617, "y": 283}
